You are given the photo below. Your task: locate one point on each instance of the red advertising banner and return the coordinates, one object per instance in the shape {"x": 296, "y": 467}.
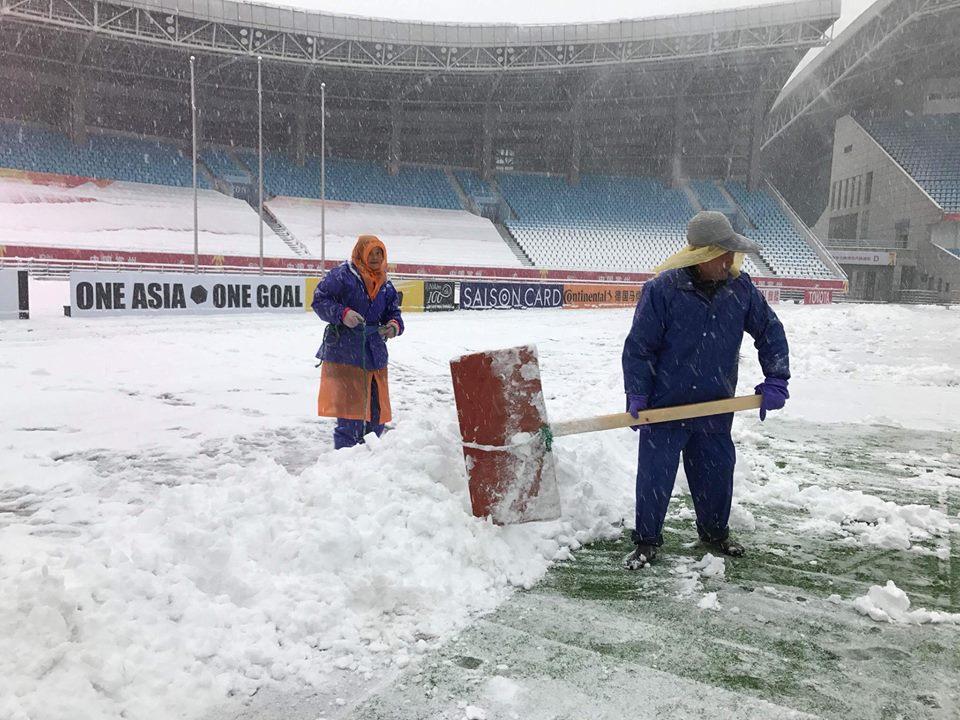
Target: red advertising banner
{"x": 770, "y": 294}
{"x": 817, "y": 297}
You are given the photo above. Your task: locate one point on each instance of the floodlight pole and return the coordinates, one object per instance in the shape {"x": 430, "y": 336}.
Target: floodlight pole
{"x": 260, "y": 151}
{"x": 193, "y": 115}
{"x": 323, "y": 178}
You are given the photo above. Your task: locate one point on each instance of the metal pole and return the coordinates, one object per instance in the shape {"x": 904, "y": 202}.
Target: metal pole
{"x": 323, "y": 177}
{"x": 260, "y": 147}
{"x": 193, "y": 113}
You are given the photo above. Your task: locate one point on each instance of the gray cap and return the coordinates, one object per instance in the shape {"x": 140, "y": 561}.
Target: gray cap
{"x": 711, "y": 227}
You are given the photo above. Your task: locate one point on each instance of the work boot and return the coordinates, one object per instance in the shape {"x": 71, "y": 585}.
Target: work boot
{"x": 641, "y": 556}
{"x": 728, "y": 546}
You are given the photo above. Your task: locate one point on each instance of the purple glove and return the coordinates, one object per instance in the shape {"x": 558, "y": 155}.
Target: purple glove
{"x": 636, "y": 403}
{"x": 774, "y": 392}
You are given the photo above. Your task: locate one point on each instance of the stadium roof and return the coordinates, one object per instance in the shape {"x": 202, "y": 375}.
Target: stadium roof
{"x": 886, "y": 37}
{"x": 225, "y": 26}
{"x": 633, "y": 97}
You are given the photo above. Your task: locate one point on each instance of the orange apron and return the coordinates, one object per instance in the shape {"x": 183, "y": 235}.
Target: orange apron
{"x": 345, "y": 392}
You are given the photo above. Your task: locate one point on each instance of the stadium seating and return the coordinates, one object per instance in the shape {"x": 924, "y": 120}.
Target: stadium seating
{"x": 472, "y": 184}
{"x": 103, "y": 156}
{"x": 781, "y": 245}
{"x": 603, "y": 223}
{"x": 356, "y": 181}
{"x": 222, "y": 164}
{"x": 710, "y": 196}
{"x": 927, "y": 147}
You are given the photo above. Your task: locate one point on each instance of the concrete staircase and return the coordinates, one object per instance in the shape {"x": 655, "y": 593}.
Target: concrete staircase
{"x": 512, "y": 243}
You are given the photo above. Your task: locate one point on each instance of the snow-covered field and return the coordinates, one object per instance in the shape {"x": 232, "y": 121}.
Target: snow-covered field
{"x": 130, "y": 217}
{"x": 412, "y": 235}
{"x": 176, "y": 533}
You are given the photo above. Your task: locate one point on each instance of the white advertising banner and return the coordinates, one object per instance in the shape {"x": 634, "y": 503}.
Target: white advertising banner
{"x": 14, "y": 295}
{"x": 864, "y": 257}
{"x": 133, "y": 293}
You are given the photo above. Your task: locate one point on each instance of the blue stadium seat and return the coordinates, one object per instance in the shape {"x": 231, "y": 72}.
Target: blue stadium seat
{"x": 472, "y": 185}
{"x": 782, "y": 247}
{"x": 928, "y": 148}
{"x": 356, "y": 181}
{"x": 104, "y": 156}
{"x": 221, "y": 164}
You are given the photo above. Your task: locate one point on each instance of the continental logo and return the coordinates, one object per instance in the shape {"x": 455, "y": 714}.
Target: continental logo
{"x": 600, "y": 295}
{"x": 603, "y": 297}
{"x": 218, "y": 260}
{"x": 3, "y": 250}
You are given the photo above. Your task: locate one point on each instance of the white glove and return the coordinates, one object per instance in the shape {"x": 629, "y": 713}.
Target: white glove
{"x": 388, "y": 331}
{"x": 351, "y": 318}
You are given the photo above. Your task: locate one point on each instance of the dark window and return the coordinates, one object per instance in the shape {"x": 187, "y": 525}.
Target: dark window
{"x": 843, "y": 227}
{"x": 859, "y": 187}
{"x": 868, "y": 189}
{"x": 934, "y": 96}
{"x": 846, "y": 191}
{"x": 902, "y": 232}
{"x": 848, "y": 149}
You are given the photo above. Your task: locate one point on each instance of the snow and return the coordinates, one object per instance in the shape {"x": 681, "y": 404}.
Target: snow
{"x": 710, "y": 602}
{"x": 131, "y": 217}
{"x": 412, "y": 235}
{"x": 176, "y": 532}
{"x": 890, "y": 604}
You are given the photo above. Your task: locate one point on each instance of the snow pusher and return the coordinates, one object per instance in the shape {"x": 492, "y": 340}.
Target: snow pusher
{"x": 507, "y": 439}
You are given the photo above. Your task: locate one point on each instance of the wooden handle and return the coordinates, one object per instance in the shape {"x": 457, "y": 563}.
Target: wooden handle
{"x": 646, "y": 417}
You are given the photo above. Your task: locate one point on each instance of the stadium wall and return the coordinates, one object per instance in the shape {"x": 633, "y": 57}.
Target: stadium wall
{"x": 874, "y": 203}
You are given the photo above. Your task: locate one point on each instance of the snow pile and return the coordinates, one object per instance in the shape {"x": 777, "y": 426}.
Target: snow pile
{"x": 859, "y": 518}
{"x": 155, "y": 556}
{"x": 891, "y": 604}
{"x": 412, "y": 235}
{"x": 130, "y": 217}
{"x": 691, "y": 576}
{"x": 168, "y": 595}
{"x": 710, "y": 602}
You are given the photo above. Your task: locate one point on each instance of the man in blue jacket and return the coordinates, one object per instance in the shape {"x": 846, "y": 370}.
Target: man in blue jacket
{"x": 683, "y": 348}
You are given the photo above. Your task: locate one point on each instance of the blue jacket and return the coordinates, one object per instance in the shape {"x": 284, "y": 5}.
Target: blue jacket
{"x": 361, "y": 346}
{"x": 684, "y": 347}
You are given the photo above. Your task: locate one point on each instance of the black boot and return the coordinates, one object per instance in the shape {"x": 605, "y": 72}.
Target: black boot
{"x": 641, "y": 556}
{"x": 727, "y": 546}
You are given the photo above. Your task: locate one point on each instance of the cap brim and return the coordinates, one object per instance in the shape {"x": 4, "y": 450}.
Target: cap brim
{"x": 739, "y": 243}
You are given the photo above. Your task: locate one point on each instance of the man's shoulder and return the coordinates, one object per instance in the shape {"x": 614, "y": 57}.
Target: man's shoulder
{"x": 744, "y": 280}
{"x": 666, "y": 279}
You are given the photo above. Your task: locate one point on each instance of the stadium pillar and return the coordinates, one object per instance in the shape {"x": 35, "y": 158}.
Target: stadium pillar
{"x": 576, "y": 138}
{"x": 756, "y": 137}
{"x": 486, "y": 150}
{"x": 396, "y": 125}
{"x": 675, "y": 162}
{"x": 300, "y": 135}
{"x": 193, "y": 114}
{"x": 77, "y": 120}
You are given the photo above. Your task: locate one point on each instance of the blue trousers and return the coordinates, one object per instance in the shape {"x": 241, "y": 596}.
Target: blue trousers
{"x": 350, "y": 432}
{"x": 708, "y": 460}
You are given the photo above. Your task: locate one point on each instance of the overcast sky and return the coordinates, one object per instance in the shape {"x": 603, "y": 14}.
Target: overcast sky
{"x": 531, "y": 11}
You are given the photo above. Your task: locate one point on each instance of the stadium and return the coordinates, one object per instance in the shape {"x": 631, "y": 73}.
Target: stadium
{"x": 551, "y": 148}
{"x": 182, "y": 182}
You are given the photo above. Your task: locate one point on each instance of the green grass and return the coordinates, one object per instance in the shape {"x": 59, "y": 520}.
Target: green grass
{"x": 593, "y": 641}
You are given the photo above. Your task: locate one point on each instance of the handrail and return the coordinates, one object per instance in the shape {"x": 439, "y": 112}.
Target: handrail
{"x": 815, "y": 243}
